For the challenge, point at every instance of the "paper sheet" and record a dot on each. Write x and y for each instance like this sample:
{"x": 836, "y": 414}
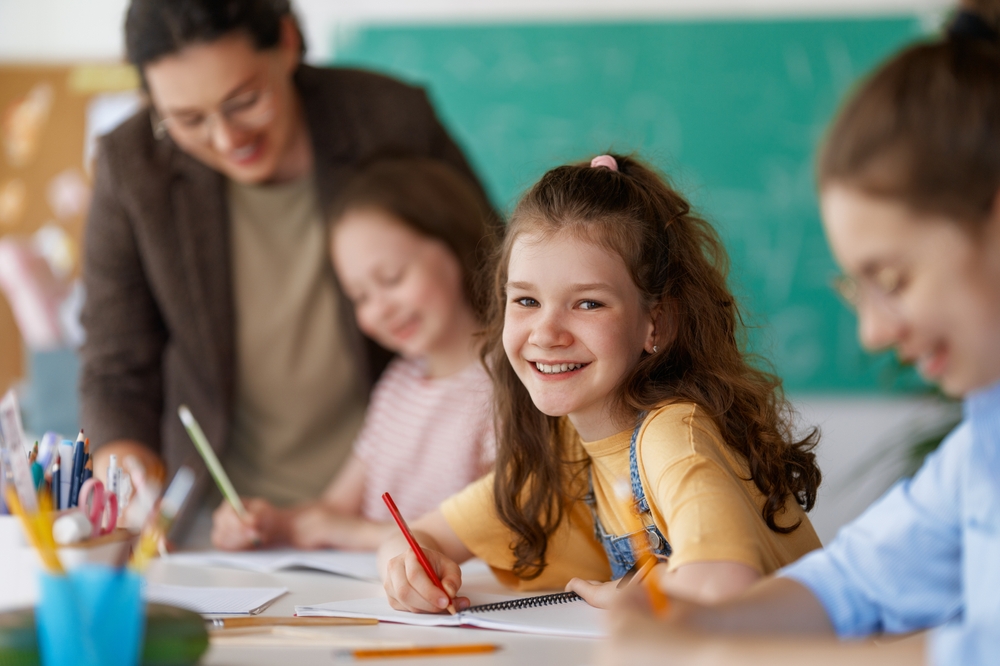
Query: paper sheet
{"x": 214, "y": 600}
{"x": 577, "y": 618}
{"x": 351, "y": 564}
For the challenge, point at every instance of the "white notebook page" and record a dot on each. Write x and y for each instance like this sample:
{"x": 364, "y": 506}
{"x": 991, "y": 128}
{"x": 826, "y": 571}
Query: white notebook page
{"x": 576, "y": 618}
{"x": 214, "y": 600}
{"x": 354, "y": 565}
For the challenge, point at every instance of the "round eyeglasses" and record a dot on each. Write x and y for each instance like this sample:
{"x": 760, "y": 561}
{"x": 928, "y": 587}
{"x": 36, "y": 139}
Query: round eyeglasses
{"x": 250, "y": 110}
{"x": 879, "y": 287}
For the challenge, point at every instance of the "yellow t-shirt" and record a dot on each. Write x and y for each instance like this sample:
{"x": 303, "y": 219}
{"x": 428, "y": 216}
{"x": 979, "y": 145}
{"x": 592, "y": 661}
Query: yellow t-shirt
{"x": 699, "y": 494}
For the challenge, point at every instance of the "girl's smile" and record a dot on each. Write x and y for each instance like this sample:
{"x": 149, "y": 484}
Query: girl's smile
{"x": 574, "y": 326}
{"x": 557, "y": 369}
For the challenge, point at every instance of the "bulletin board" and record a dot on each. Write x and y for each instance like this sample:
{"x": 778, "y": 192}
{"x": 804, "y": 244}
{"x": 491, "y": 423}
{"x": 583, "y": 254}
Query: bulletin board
{"x": 44, "y": 169}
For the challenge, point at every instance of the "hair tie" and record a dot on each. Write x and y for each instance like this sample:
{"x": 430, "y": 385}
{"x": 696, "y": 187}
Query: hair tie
{"x": 970, "y": 25}
{"x": 604, "y": 161}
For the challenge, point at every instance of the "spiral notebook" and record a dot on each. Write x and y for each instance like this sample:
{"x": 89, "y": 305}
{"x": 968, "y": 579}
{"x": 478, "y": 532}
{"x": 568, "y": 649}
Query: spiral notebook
{"x": 563, "y": 614}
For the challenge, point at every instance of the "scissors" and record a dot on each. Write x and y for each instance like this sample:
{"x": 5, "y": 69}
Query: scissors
{"x": 101, "y": 503}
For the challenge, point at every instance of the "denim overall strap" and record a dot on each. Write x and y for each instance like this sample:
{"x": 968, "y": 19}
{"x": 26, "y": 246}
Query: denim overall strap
{"x": 657, "y": 542}
{"x": 619, "y": 548}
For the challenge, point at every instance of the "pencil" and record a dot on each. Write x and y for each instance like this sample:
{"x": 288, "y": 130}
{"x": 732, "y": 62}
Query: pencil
{"x": 38, "y": 529}
{"x": 214, "y": 466}
{"x": 420, "y": 651}
{"x": 249, "y": 622}
{"x": 417, "y": 550}
{"x": 644, "y": 558}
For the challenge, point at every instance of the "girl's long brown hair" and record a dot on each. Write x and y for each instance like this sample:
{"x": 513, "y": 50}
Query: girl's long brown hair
{"x": 679, "y": 265}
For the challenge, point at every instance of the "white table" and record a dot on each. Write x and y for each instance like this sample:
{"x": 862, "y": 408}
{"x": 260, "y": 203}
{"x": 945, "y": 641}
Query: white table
{"x": 314, "y": 588}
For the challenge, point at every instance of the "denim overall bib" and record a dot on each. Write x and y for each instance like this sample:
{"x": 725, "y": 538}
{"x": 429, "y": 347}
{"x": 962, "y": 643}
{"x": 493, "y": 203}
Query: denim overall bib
{"x": 619, "y": 548}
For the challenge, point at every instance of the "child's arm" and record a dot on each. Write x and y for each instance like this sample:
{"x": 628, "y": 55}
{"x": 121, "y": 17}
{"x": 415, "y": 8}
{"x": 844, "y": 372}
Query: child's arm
{"x": 782, "y": 606}
{"x": 708, "y": 582}
{"x": 705, "y": 582}
{"x": 346, "y": 491}
{"x": 335, "y": 520}
{"x": 406, "y": 584}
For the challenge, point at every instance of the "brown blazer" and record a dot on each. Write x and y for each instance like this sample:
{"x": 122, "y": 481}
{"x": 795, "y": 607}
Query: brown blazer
{"x": 159, "y": 309}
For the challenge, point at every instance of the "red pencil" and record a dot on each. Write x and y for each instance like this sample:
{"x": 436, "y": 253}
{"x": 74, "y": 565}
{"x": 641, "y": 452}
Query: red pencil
{"x": 417, "y": 550}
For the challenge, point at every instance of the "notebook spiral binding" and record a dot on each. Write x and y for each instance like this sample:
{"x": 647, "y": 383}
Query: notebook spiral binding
{"x": 526, "y": 602}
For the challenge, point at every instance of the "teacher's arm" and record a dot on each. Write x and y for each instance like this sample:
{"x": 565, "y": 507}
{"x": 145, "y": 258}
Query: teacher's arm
{"x": 121, "y": 380}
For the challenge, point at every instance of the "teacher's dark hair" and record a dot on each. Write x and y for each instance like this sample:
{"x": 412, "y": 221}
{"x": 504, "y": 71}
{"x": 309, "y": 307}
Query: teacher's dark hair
{"x": 158, "y": 28}
{"x": 924, "y": 128}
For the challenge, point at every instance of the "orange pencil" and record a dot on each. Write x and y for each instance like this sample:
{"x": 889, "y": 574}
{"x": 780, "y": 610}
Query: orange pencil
{"x": 420, "y": 651}
{"x": 645, "y": 560}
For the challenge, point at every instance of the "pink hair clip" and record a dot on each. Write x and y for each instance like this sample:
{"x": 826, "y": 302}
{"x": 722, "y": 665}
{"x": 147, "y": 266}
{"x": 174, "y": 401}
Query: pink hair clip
{"x": 604, "y": 161}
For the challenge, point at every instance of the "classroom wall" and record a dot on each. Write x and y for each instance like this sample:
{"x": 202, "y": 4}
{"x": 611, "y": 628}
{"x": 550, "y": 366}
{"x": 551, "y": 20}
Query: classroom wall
{"x": 861, "y": 434}
{"x": 70, "y": 30}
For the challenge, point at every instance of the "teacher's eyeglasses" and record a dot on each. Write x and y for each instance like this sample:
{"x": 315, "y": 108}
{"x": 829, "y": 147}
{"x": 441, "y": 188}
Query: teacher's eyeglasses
{"x": 249, "y": 110}
{"x": 879, "y": 287}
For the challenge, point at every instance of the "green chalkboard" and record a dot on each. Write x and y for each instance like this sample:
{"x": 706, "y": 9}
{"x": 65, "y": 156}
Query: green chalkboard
{"x": 732, "y": 111}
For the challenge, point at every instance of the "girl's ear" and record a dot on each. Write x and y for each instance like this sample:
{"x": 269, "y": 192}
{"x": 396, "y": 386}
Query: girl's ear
{"x": 661, "y": 328}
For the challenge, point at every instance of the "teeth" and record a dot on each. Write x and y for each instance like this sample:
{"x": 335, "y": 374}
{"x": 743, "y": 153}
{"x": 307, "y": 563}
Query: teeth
{"x": 245, "y": 151}
{"x": 557, "y": 368}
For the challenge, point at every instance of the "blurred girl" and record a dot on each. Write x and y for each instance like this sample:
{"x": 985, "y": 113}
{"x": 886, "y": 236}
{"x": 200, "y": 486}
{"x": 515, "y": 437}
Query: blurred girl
{"x": 910, "y": 190}
{"x": 619, "y": 383}
{"x": 408, "y": 238}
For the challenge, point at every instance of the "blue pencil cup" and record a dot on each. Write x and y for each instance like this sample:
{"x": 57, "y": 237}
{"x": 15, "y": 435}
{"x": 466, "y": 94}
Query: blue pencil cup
{"x": 92, "y": 616}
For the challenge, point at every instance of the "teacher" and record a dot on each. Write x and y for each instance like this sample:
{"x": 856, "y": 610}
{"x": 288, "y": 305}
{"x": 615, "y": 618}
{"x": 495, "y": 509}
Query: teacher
{"x": 206, "y": 267}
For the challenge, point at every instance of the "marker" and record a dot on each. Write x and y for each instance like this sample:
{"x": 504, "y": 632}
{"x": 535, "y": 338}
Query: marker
{"x": 56, "y": 485}
{"x": 66, "y": 473}
{"x": 77, "y": 479}
{"x": 114, "y": 477}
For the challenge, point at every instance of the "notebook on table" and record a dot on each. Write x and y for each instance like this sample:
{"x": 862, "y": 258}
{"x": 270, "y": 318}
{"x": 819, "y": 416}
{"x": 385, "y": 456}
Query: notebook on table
{"x": 213, "y": 600}
{"x": 563, "y": 614}
{"x": 353, "y": 565}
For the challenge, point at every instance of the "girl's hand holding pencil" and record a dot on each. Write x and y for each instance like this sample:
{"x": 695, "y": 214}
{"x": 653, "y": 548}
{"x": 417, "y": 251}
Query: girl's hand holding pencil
{"x": 409, "y": 588}
{"x": 418, "y": 579}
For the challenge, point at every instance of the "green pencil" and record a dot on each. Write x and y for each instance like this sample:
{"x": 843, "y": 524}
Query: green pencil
{"x": 212, "y": 461}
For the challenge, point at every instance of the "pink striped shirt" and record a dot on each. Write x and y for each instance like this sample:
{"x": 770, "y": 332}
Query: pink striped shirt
{"x": 424, "y": 439}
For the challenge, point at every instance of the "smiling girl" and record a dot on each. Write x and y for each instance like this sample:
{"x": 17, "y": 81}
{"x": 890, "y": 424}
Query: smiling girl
{"x": 620, "y": 386}
{"x": 408, "y": 239}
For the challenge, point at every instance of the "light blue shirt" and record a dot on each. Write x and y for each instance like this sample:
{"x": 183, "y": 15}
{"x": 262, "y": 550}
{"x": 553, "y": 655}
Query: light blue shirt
{"x": 928, "y": 552}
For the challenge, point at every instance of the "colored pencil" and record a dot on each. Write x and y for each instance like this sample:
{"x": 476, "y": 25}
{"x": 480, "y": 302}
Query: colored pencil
{"x": 417, "y": 550}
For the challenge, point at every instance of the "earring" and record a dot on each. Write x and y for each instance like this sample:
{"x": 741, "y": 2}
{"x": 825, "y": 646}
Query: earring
{"x": 655, "y": 349}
